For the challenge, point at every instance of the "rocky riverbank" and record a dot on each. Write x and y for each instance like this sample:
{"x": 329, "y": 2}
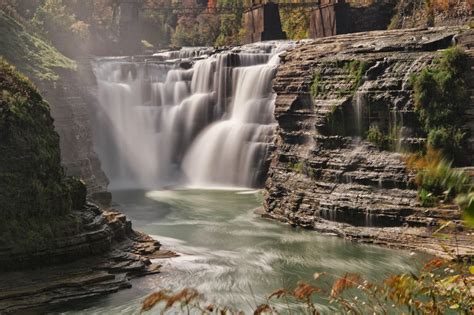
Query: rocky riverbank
{"x": 54, "y": 246}
{"x": 324, "y": 174}
{"x": 101, "y": 260}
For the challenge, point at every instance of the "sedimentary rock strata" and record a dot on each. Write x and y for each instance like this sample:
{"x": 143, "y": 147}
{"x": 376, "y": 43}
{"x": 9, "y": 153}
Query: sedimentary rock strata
{"x": 329, "y": 92}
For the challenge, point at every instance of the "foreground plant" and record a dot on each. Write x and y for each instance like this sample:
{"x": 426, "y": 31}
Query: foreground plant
{"x": 439, "y": 287}
{"x": 437, "y": 180}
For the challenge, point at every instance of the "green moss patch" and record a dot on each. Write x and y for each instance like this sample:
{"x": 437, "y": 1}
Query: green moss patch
{"x": 33, "y": 55}
{"x": 441, "y": 99}
{"x": 36, "y": 198}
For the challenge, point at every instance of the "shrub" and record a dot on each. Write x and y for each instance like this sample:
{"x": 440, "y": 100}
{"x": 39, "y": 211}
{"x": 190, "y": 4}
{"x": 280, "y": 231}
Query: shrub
{"x": 296, "y": 167}
{"x": 378, "y": 138}
{"x": 448, "y": 140}
{"x": 466, "y": 205}
{"x": 436, "y": 179}
{"x": 441, "y": 98}
{"x": 427, "y": 199}
{"x": 439, "y": 287}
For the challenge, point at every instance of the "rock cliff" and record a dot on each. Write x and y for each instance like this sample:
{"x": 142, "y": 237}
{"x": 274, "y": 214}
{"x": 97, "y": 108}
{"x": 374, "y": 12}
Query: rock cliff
{"x": 63, "y": 82}
{"x": 45, "y": 219}
{"x": 70, "y": 103}
{"x": 323, "y": 170}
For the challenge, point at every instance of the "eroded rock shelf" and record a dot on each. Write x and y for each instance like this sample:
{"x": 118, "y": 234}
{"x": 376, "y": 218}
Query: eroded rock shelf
{"x": 323, "y": 174}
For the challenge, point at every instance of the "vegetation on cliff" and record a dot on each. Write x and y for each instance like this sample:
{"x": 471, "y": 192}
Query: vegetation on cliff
{"x": 441, "y": 99}
{"x": 32, "y": 54}
{"x": 416, "y": 13}
{"x": 436, "y": 179}
{"x": 35, "y": 195}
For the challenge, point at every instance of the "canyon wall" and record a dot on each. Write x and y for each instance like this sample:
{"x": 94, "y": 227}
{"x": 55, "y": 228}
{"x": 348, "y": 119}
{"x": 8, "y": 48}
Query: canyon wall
{"x": 65, "y": 84}
{"x": 329, "y": 91}
{"x": 70, "y": 102}
{"x": 45, "y": 221}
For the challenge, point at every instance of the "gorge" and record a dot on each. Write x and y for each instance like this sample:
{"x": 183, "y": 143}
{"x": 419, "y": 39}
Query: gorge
{"x": 201, "y": 146}
{"x": 323, "y": 174}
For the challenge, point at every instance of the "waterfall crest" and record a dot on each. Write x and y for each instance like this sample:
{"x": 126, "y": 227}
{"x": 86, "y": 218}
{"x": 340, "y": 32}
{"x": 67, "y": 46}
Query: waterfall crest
{"x": 206, "y": 122}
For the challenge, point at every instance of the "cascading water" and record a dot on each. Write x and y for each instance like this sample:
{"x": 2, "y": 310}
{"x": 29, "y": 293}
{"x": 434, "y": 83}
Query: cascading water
{"x": 206, "y": 126}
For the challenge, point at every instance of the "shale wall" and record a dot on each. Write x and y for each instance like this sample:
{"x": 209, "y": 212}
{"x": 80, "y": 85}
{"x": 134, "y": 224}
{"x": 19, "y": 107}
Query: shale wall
{"x": 329, "y": 92}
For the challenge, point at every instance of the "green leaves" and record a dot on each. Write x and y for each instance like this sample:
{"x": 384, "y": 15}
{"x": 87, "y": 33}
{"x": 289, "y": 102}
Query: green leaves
{"x": 466, "y": 204}
{"x": 441, "y": 98}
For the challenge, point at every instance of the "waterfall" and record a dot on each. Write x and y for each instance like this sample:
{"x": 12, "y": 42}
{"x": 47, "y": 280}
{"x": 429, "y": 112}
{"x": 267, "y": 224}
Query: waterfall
{"x": 205, "y": 125}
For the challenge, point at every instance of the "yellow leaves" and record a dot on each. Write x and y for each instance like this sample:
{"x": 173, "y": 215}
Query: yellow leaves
{"x": 346, "y": 282}
{"x": 471, "y": 270}
{"x": 431, "y": 159}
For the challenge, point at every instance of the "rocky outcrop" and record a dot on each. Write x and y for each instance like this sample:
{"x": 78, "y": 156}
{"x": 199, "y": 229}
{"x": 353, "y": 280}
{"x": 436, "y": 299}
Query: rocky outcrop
{"x": 64, "y": 84}
{"x": 414, "y": 13}
{"x": 70, "y": 103}
{"x": 329, "y": 92}
{"x": 100, "y": 260}
{"x": 44, "y": 217}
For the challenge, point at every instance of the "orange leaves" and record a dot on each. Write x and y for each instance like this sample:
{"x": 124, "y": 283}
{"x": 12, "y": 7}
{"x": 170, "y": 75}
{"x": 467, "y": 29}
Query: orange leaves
{"x": 262, "y": 308}
{"x": 278, "y": 293}
{"x": 431, "y": 159}
{"x": 185, "y": 296}
{"x": 304, "y": 290}
{"x": 348, "y": 281}
{"x": 434, "y": 264}
{"x": 440, "y": 285}
{"x": 153, "y": 299}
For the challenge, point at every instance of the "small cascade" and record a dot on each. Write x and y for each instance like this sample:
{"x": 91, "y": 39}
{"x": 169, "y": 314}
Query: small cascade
{"x": 359, "y": 105}
{"x": 369, "y": 217}
{"x": 205, "y": 125}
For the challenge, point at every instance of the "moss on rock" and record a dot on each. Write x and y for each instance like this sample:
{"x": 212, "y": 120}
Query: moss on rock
{"x": 33, "y": 55}
{"x": 33, "y": 187}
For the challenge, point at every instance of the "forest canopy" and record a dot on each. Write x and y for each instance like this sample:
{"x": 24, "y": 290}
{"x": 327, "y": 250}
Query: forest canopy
{"x": 94, "y": 23}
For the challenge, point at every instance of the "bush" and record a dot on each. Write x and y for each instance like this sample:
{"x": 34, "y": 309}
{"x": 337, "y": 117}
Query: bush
{"x": 378, "y": 138}
{"x": 448, "y": 140}
{"x": 316, "y": 86}
{"x": 466, "y": 205}
{"x": 200, "y": 31}
{"x": 439, "y": 287}
{"x": 441, "y": 99}
{"x": 436, "y": 179}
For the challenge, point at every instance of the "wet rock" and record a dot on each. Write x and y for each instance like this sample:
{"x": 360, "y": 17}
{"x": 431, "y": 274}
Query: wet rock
{"x": 322, "y": 169}
{"x": 99, "y": 261}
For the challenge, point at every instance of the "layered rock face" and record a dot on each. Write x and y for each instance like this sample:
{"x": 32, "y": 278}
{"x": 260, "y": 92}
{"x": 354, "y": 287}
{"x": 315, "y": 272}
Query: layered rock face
{"x": 44, "y": 217}
{"x": 412, "y": 13}
{"x": 329, "y": 92}
{"x": 64, "y": 83}
{"x": 70, "y": 102}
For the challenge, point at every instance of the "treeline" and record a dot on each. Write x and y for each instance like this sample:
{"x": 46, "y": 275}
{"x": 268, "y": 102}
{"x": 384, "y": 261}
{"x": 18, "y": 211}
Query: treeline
{"x": 91, "y": 26}
{"x": 73, "y": 26}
